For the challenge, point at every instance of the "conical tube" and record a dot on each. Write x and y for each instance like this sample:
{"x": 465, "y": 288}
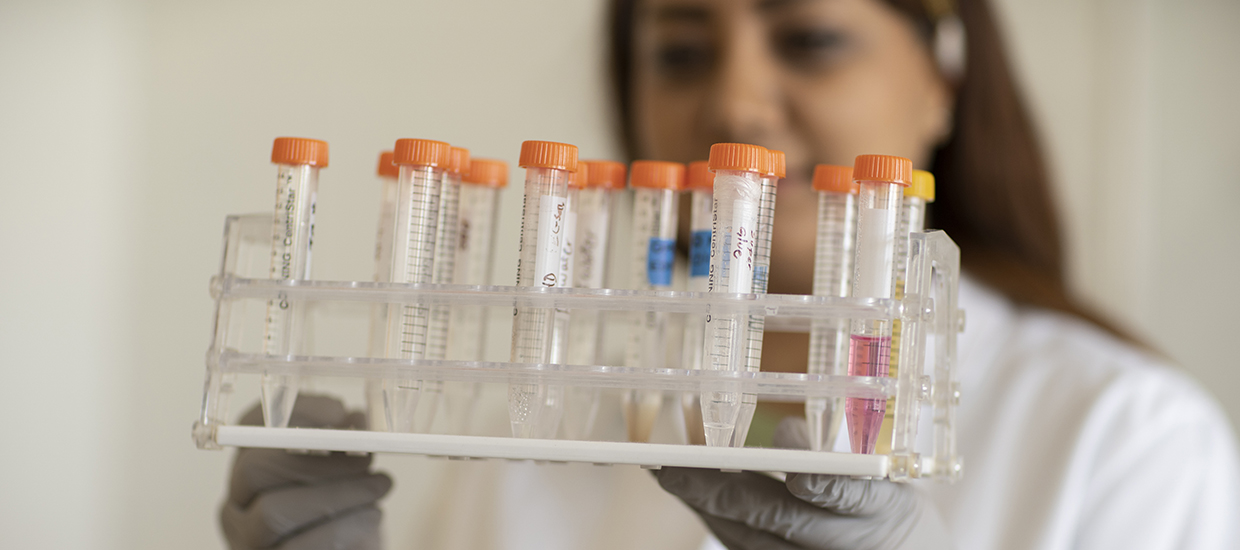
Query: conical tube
{"x": 881, "y": 179}
{"x": 446, "y": 234}
{"x": 467, "y": 326}
{"x": 413, "y": 261}
{"x": 761, "y": 271}
{"x": 543, "y": 232}
{"x": 595, "y": 201}
{"x": 552, "y": 411}
{"x": 912, "y": 220}
{"x": 700, "y": 182}
{"x": 298, "y": 161}
{"x": 833, "y": 273}
{"x": 656, "y": 192}
{"x": 737, "y": 197}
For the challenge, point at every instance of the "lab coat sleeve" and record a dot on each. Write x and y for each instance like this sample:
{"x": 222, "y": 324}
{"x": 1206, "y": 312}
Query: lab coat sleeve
{"x": 1166, "y": 474}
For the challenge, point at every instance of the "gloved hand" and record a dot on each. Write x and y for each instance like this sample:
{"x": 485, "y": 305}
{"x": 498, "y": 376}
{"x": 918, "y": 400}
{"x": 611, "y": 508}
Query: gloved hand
{"x": 287, "y": 501}
{"x": 750, "y": 511}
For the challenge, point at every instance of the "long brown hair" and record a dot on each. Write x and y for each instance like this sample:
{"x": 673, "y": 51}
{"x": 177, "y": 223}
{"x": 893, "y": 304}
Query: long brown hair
{"x": 993, "y": 191}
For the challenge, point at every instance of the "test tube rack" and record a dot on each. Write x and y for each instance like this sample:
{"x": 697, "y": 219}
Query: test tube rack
{"x": 925, "y": 383}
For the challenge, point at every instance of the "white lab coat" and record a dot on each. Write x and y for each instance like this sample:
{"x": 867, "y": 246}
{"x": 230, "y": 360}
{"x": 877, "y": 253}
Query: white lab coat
{"x": 1075, "y": 439}
{"x": 1071, "y": 438}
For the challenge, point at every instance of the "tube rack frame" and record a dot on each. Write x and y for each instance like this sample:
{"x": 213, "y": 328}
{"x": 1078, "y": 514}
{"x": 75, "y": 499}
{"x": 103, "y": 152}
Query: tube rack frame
{"x": 928, "y": 313}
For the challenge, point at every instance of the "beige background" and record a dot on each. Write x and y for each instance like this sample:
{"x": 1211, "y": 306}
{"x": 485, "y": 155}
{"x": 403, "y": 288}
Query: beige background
{"x": 128, "y": 130}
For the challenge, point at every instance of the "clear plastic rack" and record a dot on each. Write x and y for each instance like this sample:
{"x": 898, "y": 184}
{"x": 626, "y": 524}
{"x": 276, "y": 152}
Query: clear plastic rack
{"x": 925, "y": 384}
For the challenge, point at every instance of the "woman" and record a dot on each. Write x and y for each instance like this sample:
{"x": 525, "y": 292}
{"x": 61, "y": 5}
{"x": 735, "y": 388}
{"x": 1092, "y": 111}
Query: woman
{"x": 1074, "y": 436}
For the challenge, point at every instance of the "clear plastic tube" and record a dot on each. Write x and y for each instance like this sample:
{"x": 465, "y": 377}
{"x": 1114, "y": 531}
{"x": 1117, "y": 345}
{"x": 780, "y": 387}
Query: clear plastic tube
{"x": 446, "y": 235}
{"x": 912, "y": 220}
{"x": 467, "y": 326}
{"x": 590, "y": 259}
{"x": 292, "y": 237}
{"x": 833, "y": 272}
{"x": 553, "y": 396}
{"x": 656, "y": 196}
{"x": 695, "y": 324}
{"x": 761, "y": 272}
{"x": 544, "y": 221}
{"x": 413, "y": 261}
{"x": 737, "y": 197}
{"x": 878, "y": 212}
{"x": 388, "y": 175}
{"x": 559, "y": 336}
{"x": 479, "y": 208}
{"x": 594, "y": 214}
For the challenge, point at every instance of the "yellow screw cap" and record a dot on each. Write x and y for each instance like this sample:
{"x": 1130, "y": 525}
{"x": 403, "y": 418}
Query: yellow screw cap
{"x": 922, "y": 187}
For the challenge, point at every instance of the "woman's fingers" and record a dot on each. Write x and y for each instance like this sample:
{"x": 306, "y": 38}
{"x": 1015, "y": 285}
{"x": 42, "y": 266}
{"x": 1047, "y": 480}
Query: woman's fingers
{"x": 850, "y": 497}
{"x": 258, "y": 470}
{"x": 745, "y": 497}
{"x": 826, "y": 512}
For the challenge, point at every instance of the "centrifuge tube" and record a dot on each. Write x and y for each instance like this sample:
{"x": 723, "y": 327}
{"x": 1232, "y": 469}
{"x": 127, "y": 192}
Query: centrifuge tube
{"x": 762, "y": 264}
{"x": 552, "y": 408}
{"x": 595, "y": 200}
{"x": 298, "y": 161}
{"x": 656, "y": 190}
{"x": 833, "y": 272}
{"x": 881, "y": 179}
{"x": 444, "y": 271}
{"x": 476, "y": 226}
{"x": 700, "y": 183}
{"x": 912, "y": 220}
{"x": 422, "y": 163}
{"x": 604, "y": 179}
{"x": 388, "y": 174}
{"x": 544, "y": 221}
{"x": 737, "y": 197}
{"x": 559, "y": 336}
{"x": 479, "y": 211}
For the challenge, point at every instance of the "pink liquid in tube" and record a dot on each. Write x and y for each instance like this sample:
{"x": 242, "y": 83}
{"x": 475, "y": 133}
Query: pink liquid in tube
{"x": 868, "y": 356}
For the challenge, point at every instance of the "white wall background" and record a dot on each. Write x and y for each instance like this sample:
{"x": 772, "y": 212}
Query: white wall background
{"x": 129, "y": 129}
{"x": 1136, "y": 100}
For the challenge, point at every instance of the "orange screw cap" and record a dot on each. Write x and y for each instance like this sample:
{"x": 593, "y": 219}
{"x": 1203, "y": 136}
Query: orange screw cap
{"x": 458, "y": 160}
{"x": 489, "y": 172}
{"x": 835, "y": 179}
{"x": 581, "y": 178}
{"x": 777, "y": 167}
{"x": 738, "y": 156}
{"x": 886, "y": 168}
{"x": 607, "y": 174}
{"x": 291, "y": 150}
{"x": 548, "y": 154}
{"x": 422, "y": 152}
{"x": 657, "y": 174}
{"x": 700, "y": 177}
{"x": 387, "y": 168}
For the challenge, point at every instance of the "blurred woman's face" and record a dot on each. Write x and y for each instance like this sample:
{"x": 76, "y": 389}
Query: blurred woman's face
{"x": 821, "y": 80}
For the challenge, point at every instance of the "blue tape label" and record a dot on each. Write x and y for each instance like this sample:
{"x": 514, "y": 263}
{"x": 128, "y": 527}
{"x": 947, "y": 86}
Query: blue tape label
{"x": 659, "y": 258}
{"x": 699, "y": 254}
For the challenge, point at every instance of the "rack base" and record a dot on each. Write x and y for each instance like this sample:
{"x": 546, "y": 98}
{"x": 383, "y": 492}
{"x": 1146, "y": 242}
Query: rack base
{"x": 646, "y": 455}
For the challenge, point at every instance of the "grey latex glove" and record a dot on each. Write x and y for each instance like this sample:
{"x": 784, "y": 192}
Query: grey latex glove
{"x": 750, "y": 511}
{"x": 286, "y": 501}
